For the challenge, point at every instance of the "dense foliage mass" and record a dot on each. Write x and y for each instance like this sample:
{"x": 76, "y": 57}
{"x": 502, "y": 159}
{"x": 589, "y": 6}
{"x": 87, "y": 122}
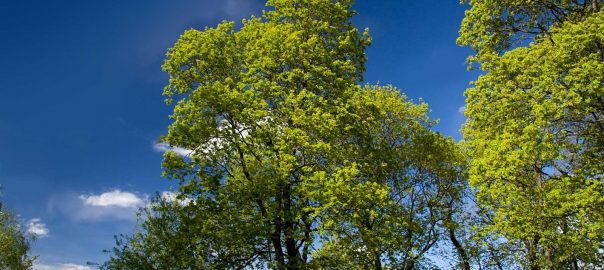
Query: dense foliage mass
{"x": 295, "y": 164}
{"x": 535, "y": 129}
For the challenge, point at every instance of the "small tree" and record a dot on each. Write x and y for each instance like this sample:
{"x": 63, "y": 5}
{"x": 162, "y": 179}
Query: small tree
{"x": 14, "y": 244}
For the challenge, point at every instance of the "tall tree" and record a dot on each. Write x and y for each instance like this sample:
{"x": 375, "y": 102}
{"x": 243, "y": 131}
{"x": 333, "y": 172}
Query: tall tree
{"x": 257, "y": 106}
{"x": 535, "y": 129}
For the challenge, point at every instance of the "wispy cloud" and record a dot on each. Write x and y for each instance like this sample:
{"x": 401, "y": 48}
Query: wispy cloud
{"x": 115, "y": 198}
{"x": 239, "y": 8}
{"x": 461, "y": 109}
{"x": 114, "y": 204}
{"x": 212, "y": 144}
{"x": 63, "y": 266}
{"x": 37, "y": 228}
{"x": 164, "y": 147}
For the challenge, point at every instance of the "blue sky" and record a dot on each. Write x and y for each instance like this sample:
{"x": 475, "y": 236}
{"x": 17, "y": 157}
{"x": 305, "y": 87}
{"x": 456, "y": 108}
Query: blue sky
{"x": 81, "y": 105}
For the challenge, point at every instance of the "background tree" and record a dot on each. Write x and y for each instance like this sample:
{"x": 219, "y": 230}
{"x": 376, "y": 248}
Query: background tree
{"x": 14, "y": 244}
{"x": 535, "y": 130}
{"x": 173, "y": 235}
{"x": 392, "y": 207}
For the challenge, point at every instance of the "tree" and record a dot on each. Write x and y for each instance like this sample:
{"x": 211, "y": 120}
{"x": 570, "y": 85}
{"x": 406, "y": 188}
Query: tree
{"x": 257, "y": 106}
{"x": 294, "y": 164}
{"x": 14, "y": 244}
{"x": 385, "y": 205}
{"x": 535, "y": 131}
{"x": 167, "y": 237}
{"x": 393, "y": 205}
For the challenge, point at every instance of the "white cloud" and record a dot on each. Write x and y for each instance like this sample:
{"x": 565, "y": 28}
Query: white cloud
{"x": 63, "y": 266}
{"x": 37, "y": 228}
{"x": 461, "y": 109}
{"x": 170, "y": 196}
{"x": 115, "y": 198}
{"x": 213, "y": 144}
{"x": 112, "y": 205}
{"x": 164, "y": 147}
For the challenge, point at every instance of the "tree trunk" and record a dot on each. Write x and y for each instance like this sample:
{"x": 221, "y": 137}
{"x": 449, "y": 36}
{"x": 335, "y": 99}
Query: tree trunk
{"x": 549, "y": 260}
{"x": 465, "y": 261}
{"x": 293, "y": 256}
{"x": 276, "y": 239}
{"x": 531, "y": 255}
{"x": 410, "y": 265}
{"x": 377, "y": 263}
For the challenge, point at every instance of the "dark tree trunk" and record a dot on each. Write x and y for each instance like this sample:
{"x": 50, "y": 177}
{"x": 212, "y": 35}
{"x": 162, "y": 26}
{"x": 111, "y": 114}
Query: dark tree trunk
{"x": 377, "y": 263}
{"x": 465, "y": 261}
{"x": 293, "y": 256}
{"x": 276, "y": 240}
{"x": 531, "y": 247}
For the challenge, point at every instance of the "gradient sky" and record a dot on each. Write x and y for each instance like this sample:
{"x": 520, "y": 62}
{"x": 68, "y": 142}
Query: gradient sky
{"x": 81, "y": 105}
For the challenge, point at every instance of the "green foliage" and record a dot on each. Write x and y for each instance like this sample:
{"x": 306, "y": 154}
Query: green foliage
{"x": 535, "y": 128}
{"x": 294, "y": 164}
{"x": 492, "y": 27}
{"x": 174, "y": 235}
{"x": 258, "y": 106}
{"x": 389, "y": 206}
{"x": 14, "y": 244}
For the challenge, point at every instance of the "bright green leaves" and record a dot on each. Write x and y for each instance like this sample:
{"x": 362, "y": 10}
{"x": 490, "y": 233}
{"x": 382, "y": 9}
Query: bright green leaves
{"x": 290, "y": 160}
{"x": 14, "y": 244}
{"x": 534, "y": 127}
{"x": 258, "y": 108}
{"x": 491, "y": 27}
{"x": 387, "y": 202}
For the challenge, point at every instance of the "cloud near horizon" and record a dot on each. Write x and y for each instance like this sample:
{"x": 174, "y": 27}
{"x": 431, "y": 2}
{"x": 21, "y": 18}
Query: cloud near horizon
{"x": 62, "y": 266}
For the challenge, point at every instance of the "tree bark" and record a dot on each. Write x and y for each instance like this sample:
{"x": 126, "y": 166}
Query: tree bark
{"x": 465, "y": 261}
{"x": 377, "y": 263}
{"x": 531, "y": 247}
{"x": 293, "y": 256}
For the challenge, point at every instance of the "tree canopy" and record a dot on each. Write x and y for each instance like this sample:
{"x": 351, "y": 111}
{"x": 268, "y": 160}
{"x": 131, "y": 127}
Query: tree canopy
{"x": 295, "y": 163}
{"x": 535, "y": 129}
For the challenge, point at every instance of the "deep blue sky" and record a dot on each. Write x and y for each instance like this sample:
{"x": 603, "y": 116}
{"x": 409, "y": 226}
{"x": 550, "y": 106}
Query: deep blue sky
{"x": 81, "y": 104}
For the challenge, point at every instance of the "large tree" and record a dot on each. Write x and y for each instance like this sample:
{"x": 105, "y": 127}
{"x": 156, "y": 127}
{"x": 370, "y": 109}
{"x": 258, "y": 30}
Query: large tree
{"x": 258, "y": 107}
{"x": 535, "y": 129}
{"x": 294, "y": 164}
{"x": 385, "y": 201}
